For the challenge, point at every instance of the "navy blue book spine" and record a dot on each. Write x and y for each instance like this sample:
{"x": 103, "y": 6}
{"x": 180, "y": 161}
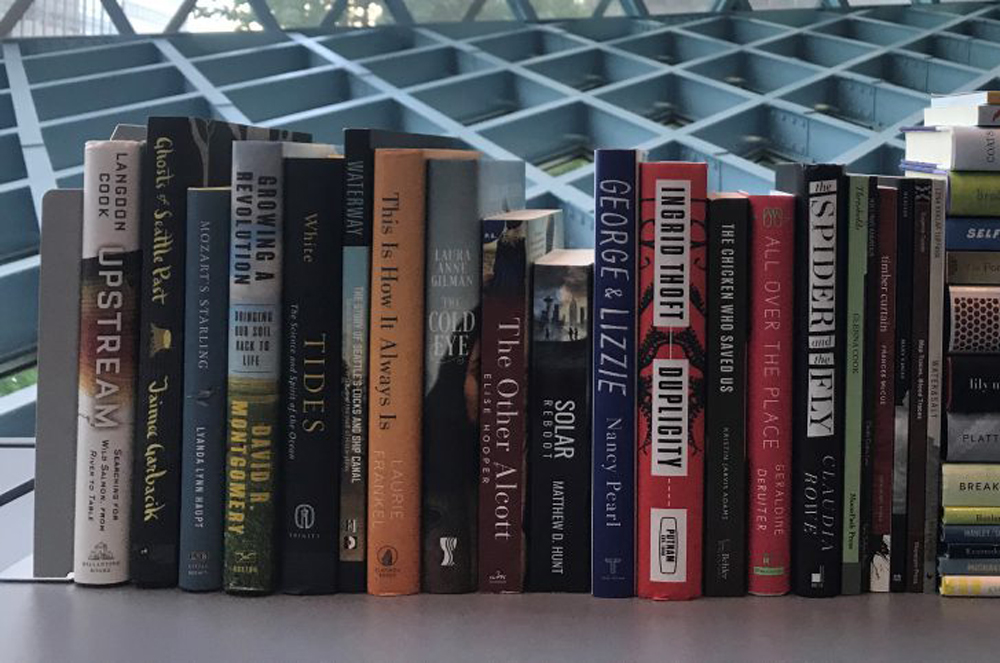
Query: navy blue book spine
{"x": 971, "y": 534}
{"x": 972, "y": 550}
{"x": 972, "y": 234}
{"x": 203, "y": 445}
{"x": 614, "y": 374}
{"x": 968, "y": 567}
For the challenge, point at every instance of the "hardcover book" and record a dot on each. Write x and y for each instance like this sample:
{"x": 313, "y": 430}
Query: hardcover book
{"x": 953, "y": 147}
{"x": 981, "y": 550}
{"x": 971, "y": 320}
{"x": 818, "y": 412}
{"x": 973, "y": 384}
{"x": 311, "y": 371}
{"x": 359, "y": 206}
{"x": 109, "y": 276}
{"x": 974, "y": 437}
{"x": 512, "y": 242}
{"x": 970, "y": 484}
{"x": 884, "y": 375}
{"x": 395, "y": 393}
{"x": 970, "y": 534}
{"x": 974, "y": 267}
{"x": 459, "y": 195}
{"x": 203, "y": 447}
{"x": 968, "y": 567}
{"x": 976, "y": 98}
{"x": 614, "y": 372}
{"x": 982, "y": 115}
{"x": 935, "y": 385}
{"x": 254, "y": 359}
{"x": 905, "y": 223}
{"x": 952, "y": 585}
{"x": 870, "y": 384}
{"x": 559, "y": 444}
{"x": 919, "y": 351}
{"x": 972, "y": 234}
{"x": 862, "y": 194}
{"x": 672, "y": 362}
{"x": 970, "y": 515}
{"x": 769, "y": 393}
{"x": 726, "y": 393}
{"x": 182, "y": 152}
{"x": 970, "y": 192}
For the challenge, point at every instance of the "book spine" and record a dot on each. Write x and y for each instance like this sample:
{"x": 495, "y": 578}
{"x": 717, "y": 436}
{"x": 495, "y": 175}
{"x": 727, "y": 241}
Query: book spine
{"x": 396, "y": 370}
{"x": 905, "y": 222}
{"x": 725, "y": 410}
{"x": 252, "y": 401}
{"x": 917, "y": 454}
{"x": 973, "y": 384}
{"x": 972, "y": 314}
{"x": 453, "y": 273}
{"x": 970, "y": 534}
{"x": 173, "y": 161}
{"x": 972, "y": 234}
{"x": 359, "y": 172}
{"x": 966, "y": 484}
{"x": 968, "y": 567}
{"x": 870, "y": 385}
{"x": 970, "y": 585}
{"x": 614, "y": 373}
{"x": 974, "y": 267}
{"x": 109, "y": 275}
{"x": 883, "y": 374}
{"x": 818, "y": 482}
{"x": 935, "y": 381}
{"x": 857, "y": 266}
{"x": 769, "y": 393}
{"x": 671, "y": 436}
{"x": 559, "y": 449}
{"x": 973, "y": 194}
{"x": 981, "y": 550}
{"x": 974, "y": 148}
{"x": 503, "y": 401}
{"x": 974, "y": 437}
{"x": 310, "y": 409}
{"x": 203, "y": 446}
{"x": 970, "y": 515}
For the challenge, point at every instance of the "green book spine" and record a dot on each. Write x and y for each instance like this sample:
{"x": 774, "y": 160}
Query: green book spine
{"x": 857, "y": 267}
{"x": 973, "y": 193}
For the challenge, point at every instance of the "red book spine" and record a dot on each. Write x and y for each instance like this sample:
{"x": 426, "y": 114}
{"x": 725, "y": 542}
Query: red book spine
{"x": 671, "y": 417}
{"x": 769, "y": 393}
{"x": 885, "y": 393}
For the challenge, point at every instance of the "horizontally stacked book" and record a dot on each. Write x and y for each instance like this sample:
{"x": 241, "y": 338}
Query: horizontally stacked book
{"x": 958, "y": 144}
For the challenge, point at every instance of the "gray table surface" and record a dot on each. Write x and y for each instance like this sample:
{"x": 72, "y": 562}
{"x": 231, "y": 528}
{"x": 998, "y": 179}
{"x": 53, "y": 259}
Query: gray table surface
{"x": 60, "y": 622}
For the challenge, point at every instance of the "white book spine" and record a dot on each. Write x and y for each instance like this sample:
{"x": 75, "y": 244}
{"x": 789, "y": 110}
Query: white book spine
{"x": 974, "y": 148}
{"x": 935, "y": 382}
{"x": 107, "y": 360}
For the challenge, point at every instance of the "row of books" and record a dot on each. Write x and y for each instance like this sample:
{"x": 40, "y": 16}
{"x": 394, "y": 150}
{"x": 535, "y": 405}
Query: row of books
{"x": 960, "y": 149}
{"x": 385, "y": 383}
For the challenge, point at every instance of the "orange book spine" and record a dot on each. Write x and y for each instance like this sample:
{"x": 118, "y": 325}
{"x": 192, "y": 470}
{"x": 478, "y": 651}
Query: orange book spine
{"x": 396, "y": 370}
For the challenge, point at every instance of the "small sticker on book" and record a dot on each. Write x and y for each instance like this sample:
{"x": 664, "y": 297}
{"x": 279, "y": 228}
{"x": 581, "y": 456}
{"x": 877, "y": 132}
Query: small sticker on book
{"x": 668, "y": 541}
{"x": 671, "y": 261}
{"x": 669, "y": 457}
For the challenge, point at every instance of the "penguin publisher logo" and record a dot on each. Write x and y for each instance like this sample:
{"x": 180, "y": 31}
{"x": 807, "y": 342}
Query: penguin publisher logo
{"x": 448, "y": 545}
{"x": 388, "y": 556}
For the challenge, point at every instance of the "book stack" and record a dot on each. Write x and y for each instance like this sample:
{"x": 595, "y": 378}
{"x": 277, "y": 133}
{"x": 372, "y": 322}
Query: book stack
{"x": 377, "y": 372}
{"x": 958, "y": 145}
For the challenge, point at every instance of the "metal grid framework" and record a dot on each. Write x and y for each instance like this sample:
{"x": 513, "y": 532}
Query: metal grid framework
{"x": 739, "y": 90}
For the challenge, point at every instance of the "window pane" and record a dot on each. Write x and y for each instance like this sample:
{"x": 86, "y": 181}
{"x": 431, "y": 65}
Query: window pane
{"x": 150, "y": 16}
{"x": 299, "y": 13}
{"x": 221, "y": 16}
{"x": 495, "y": 10}
{"x": 55, "y": 18}
{"x": 438, "y": 11}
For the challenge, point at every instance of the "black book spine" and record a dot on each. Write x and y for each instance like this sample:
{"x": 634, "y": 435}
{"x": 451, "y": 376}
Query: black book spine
{"x": 311, "y": 375}
{"x": 870, "y": 380}
{"x": 820, "y": 352}
{"x": 973, "y": 384}
{"x": 917, "y": 423}
{"x": 725, "y": 414}
{"x": 559, "y": 450}
{"x": 181, "y": 152}
{"x": 905, "y": 220}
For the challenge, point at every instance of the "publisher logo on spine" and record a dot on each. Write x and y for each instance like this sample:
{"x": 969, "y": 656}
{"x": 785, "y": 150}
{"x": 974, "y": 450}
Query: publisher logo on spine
{"x": 668, "y": 541}
{"x": 305, "y": 516}
{"x": 671, "y": 261}
{"x": 670, "y": 418}
{"x": 448, "y": 545}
